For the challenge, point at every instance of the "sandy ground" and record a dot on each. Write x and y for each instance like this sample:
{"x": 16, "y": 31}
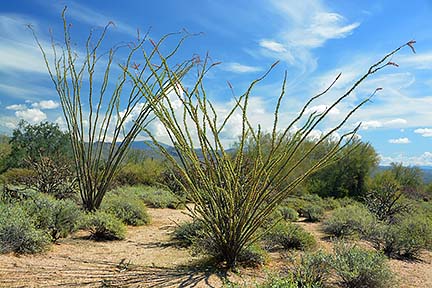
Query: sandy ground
{"x": 148, "y": 258}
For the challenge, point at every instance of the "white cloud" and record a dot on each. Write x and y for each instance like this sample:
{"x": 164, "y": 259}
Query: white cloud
{"x": 425, "y": 132}
{"x": 16, "y": 107}
{"x": 403, "y": 140}
{"x": 371, "y": 124}
{"x": 239, "y": 68}
{"x": 46, "y": 104}
{"x": 322, "y": 109}
{"x": 272, "y": 45}
{"x": 32, "y": 115}
{"x": 393, "y": 123}
{"x": 424, "y": 159}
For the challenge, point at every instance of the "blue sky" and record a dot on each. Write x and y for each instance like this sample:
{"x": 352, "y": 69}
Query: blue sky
{"x": 313, "y": 39}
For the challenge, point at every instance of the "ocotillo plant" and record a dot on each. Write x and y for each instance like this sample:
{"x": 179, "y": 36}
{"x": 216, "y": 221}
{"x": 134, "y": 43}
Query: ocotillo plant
{"x": 234, "y": 194}
{"x": 98, "y": 111}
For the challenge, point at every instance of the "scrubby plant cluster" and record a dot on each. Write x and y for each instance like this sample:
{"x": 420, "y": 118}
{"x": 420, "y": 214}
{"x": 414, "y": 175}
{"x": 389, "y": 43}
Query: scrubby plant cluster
{"x": 349, "y": 266}
{"x": 29, "y": 225}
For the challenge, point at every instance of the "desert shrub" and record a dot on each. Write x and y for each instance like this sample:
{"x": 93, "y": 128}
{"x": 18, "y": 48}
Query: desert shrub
{"x": 357, "y": 268}
{"x": 346, "y": 201}
{"x": 127, "y": 207}
{"x": 330, "y": 203}
{"x": 18, "y": 176}
{"x": 295, "y": 203}
{"x": 310, "y": 271}
{"x": 406, "y": 238}
{"x": 57, "y": 217}
{"x": 288, "y": 214}
{"x": 46, "y": 175}
{"x": 159, "y": 198}
{"x": 288, "y": 236}
{"x": 278, "y": 282}
{"x": 148, "y": 172}
{"x": 18, "y": 232}
{"x": 54, "y": 177}
{"x": 348, "y": 221}
{"x": 187, "y": 232}
{"x": 253, "y": 256}
{"x": 15, "y": 194}
{"x": 169, "y": 179}
{"x": 385, "y": 198}
{"x": 104, "y": 226}
{"x": 312, "y": 212}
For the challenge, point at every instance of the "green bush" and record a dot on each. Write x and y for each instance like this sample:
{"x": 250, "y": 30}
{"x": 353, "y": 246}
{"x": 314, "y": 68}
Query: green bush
{"x": 406, "y": 238}
{"x": 288, "y": 214}
{"x": 357, "y": 268}
{"x": 57, "y": 217}
{"x": 18, "y": 176}
{"x": 252, "y": 256}
{"x": 126, "y": 207}
{"x": 346, "y": 201}
{"x": 348, "y": 221}
{"x": 148, "y": 172}
{"x": 169, "y": 179}
{"x": 104, "y": 226}
{"x": 187, "y": 232}
{"x": 385, "y": 198}
{"x": 159, "y": 198}
{"x": 312, "y": 212}
{"x": 311, "y": 271}
{"x": 330, "y": 203}
{"x": 18, "y": 232}
{"x": 288, "y": 236}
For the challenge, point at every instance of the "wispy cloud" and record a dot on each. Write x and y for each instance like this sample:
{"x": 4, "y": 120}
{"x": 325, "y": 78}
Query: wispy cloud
{"x": 239, "y": 68}
{"x": 403, "y": 140}
{"x": 87, "y": 15}
{"x": 421, "y": 61}
{"x": 309, "y": 24}
{"x": 16, "y": 107}
{"x": 272, "y": 45}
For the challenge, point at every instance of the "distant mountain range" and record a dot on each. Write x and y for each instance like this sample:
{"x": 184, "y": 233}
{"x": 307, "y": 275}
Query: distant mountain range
{"x": 427, "y": 172}
{"x": 148, "y": 147}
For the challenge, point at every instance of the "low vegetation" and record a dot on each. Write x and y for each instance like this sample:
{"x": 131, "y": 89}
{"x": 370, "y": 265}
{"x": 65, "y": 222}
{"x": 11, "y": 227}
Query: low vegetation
{"x": 103, "y": 226}
{"x": 349, "y": 221}
{"x": 288, "y": 236}
{"x": 127, "y": 207}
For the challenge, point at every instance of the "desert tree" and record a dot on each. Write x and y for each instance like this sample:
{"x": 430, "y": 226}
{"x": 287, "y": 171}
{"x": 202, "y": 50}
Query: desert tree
{"x": 233, "y": 194}
{"x": 103, "y": 111}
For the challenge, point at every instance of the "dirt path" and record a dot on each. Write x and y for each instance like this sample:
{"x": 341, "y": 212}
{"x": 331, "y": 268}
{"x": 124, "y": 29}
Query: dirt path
{"x": 145, "y": 259}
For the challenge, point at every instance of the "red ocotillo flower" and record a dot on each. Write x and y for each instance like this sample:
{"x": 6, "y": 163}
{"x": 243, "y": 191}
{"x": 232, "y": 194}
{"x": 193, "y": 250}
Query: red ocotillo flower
{"x": 393, "y": 64}
{"x": 411, "y": 45}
